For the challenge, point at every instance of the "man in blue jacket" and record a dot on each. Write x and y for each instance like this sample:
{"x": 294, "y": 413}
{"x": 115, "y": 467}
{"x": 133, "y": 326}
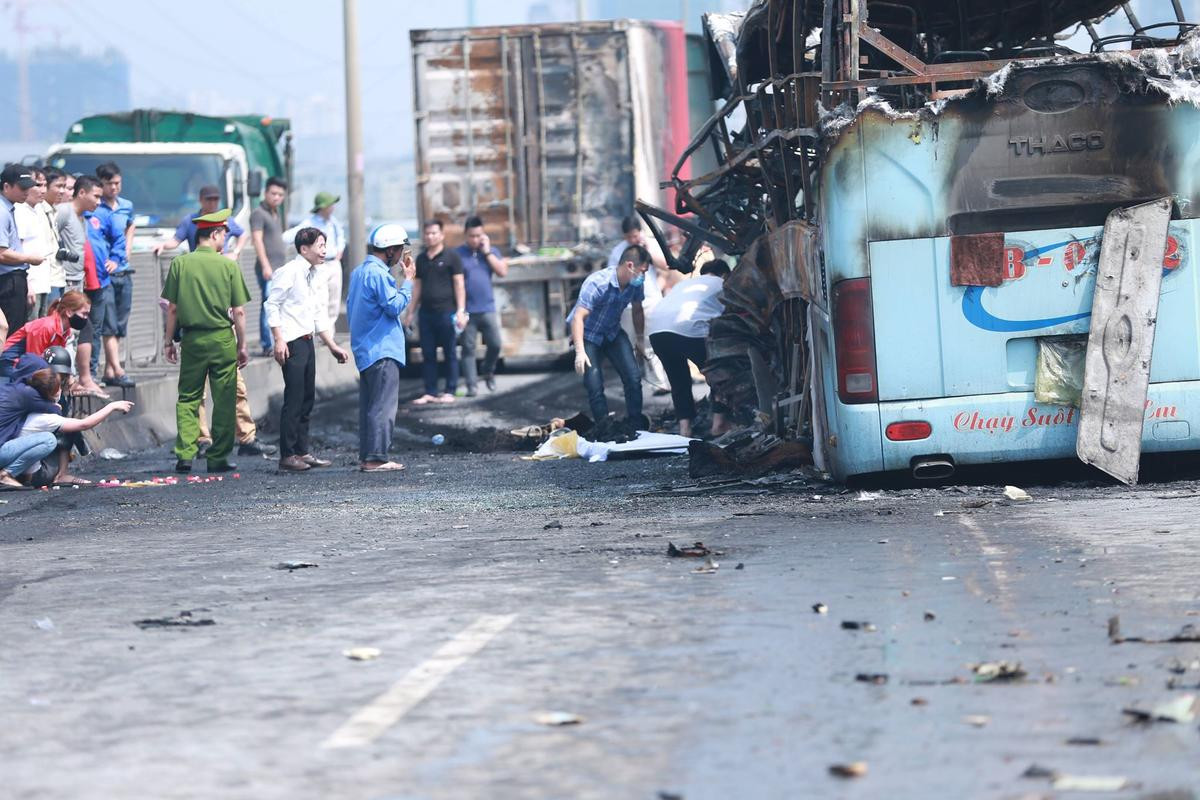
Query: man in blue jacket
{"x": 18, "y": 399}
{"x": 374, "y": 306}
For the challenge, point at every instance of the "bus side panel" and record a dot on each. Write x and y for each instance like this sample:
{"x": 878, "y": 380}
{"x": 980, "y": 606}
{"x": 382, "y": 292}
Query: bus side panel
{"x": 937, "y": 340}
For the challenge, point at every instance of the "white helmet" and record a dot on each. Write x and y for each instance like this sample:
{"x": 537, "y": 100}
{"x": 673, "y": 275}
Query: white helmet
{"x": 389, "y": 234}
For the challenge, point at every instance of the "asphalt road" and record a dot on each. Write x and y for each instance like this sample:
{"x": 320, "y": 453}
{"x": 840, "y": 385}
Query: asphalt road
{"x": 717, "y": 684}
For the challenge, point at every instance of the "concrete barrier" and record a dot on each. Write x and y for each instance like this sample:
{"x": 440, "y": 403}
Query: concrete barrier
{"x": 152, "y": 422}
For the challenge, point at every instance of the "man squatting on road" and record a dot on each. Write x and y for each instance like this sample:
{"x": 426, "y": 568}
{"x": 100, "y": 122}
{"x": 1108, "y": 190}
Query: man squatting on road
{"x": 297, "y": 307}
{"x": 374, "y": 306}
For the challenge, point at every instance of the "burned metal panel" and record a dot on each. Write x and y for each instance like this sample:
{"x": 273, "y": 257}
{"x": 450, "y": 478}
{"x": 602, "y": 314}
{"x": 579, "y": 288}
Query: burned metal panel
{"x": 1121, "y": 339}
{"x": 977, "y": 260}
{"x": 530, "y": 126}
{"x": 986, "y": 164}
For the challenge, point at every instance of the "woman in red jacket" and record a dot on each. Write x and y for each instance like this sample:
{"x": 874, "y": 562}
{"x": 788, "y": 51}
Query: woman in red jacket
{"x": 67, "y": 313}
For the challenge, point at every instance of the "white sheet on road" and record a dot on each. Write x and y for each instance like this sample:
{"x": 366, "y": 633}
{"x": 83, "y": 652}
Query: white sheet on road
{"x": 647, "y": 442}
{"x": 565, "y": 443}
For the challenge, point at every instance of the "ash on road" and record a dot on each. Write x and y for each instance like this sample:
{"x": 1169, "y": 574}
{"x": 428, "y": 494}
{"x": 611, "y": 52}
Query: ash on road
{"x": 487, "y": 624}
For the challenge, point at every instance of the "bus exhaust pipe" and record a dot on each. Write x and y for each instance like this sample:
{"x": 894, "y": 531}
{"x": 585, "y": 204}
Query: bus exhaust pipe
{"x": 937, "y": 468}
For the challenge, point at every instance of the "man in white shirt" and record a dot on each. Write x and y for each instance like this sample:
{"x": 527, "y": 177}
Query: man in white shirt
{"x": 37, "y": 238}
{"x": 678, "y": 328}
{"x": 297, "y": 308}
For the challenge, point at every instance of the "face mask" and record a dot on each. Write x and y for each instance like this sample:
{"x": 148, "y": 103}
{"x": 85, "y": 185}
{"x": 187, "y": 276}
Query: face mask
{"x": 77, "y": 322}
{"x": 638, "y": 281}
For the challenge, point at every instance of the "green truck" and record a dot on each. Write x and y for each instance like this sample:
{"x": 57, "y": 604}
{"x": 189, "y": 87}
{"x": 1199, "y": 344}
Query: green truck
{"x": 166, "y": 156}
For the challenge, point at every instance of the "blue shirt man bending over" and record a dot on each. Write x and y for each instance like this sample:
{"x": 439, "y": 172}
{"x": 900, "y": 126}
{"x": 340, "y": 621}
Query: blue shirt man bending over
{"x": 374, "y": 306}
{"x": 596, "y": 330}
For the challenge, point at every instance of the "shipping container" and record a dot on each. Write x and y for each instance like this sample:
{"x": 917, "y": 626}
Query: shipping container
{"x": 549, "y": 133}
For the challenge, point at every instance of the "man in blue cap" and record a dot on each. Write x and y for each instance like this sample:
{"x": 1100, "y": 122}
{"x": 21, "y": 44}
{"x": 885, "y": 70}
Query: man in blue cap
{"x": 25, "y": 394}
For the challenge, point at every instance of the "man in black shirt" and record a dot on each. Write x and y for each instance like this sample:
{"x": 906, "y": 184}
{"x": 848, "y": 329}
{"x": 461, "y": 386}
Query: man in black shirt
{"x": 440, "y": 300}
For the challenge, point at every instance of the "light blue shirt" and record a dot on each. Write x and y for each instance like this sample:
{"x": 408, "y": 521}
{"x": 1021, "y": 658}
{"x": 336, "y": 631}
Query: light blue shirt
{"x": 9, "y": 238}
{"x": 373, "y": 306}
{"x": 605, "y": 300}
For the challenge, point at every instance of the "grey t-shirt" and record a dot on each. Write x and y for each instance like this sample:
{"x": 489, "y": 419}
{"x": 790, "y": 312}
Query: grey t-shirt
{"x": 71, "y": 236}
{"x": 263, "y": 220}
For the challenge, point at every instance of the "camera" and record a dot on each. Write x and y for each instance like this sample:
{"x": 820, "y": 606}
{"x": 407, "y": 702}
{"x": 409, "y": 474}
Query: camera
{"x": 64, "y": 254}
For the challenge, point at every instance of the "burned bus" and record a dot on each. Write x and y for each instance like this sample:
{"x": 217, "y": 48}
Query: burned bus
{"x": 965, "y": 231}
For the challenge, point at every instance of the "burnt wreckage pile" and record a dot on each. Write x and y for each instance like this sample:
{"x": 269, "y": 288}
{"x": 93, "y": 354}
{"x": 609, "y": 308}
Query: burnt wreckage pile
{"x": 798, "y": 76}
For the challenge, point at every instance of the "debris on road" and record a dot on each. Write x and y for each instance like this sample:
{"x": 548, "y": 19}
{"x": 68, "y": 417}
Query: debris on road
{"x": 998, "y": 671}
{"x": 1188, "y": 634}
{"x": 111, "y": 454}
{"x": 553, "y": 525}
{"x": 854, "y": 769}
{"x": 1036, "y": 771}
{"x": 708, "y": 567}
{"x": 183, "y": 620}
{"x": 853, "y": 625}
{"x": 930, "y": 616}
{"x": 977, "y": 720}
{"x": 877, "y": 678}
{"x": 44, "y": 624}
{"x": 918, "y": 701}
{"x": 697, "y": 550}
{"x": 1089, "y": 783}
{"x": 740, "y": 565}
{"x": 362, "y": 653}
{"x": 1181, "y": 709}
{"x": 437, "y": 440}
{"x": 557, "y": 718}
{"x": 1085, "y": 741}
{"x": 820, "y": 608}
{"x": 751, "y": 452}
{"x": 292, "y": 566}
{"x": 1016, "y": 494}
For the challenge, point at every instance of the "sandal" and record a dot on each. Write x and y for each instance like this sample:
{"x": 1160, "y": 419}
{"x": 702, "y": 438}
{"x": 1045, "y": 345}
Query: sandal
{"x": 72, "y": 480}
{"x": 424, "y": 400}
{"x": 387, "y": 466}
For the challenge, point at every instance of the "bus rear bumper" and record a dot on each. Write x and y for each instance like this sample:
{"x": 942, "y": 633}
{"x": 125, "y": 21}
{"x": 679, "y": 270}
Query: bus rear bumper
{"x": 996, "y": 428}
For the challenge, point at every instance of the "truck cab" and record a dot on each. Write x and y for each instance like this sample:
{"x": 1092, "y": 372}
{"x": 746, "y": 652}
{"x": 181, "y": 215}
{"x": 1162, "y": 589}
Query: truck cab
{"x": 167, "y": 156}
{"x": 163, "y": 179}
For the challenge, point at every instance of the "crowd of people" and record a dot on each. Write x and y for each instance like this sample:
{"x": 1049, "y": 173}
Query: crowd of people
{"x": 66, "y": 295}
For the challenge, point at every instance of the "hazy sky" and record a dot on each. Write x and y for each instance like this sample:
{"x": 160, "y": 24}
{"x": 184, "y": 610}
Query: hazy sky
{"x": 280, "y": 57}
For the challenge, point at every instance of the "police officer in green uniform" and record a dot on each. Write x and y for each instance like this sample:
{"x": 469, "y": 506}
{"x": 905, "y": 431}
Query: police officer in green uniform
{"x": 205, "y": 291}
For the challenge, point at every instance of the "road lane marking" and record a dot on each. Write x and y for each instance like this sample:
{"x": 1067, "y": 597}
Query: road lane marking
{"x": 373, "y": 719}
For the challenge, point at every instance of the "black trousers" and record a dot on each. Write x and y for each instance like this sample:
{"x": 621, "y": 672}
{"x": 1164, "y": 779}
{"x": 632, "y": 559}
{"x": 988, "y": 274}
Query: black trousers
{"x": 675, "y": 351}
{"x": 14, "y": 291}
{"x": 299, "y": 394}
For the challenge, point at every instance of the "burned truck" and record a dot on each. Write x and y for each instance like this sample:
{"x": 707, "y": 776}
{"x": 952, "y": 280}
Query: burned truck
{"x": 965, "y": 230}
{"x": 549, "y": 133}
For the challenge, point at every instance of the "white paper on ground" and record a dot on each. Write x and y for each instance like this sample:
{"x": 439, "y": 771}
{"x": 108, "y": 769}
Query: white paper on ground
{"x": 646, "y": 442}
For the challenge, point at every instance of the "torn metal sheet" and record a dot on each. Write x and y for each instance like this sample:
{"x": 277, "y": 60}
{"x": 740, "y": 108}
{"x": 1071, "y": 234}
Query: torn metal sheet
{"x": 977, "y": 260}
{"x": 1124, "y": 314}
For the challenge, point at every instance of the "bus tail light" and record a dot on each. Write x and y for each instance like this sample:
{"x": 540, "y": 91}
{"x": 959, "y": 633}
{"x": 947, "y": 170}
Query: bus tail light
{"x": 854, "y": 341}
{"x": 910, "y": 431}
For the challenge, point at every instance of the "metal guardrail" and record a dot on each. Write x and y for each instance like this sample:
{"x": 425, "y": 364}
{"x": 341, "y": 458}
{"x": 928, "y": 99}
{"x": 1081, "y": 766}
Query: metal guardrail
{"x": 144, "y": 340}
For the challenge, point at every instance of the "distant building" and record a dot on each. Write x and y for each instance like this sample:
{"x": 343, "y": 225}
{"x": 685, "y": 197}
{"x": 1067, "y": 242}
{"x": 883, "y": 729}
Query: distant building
{"x": 63, "y": 86}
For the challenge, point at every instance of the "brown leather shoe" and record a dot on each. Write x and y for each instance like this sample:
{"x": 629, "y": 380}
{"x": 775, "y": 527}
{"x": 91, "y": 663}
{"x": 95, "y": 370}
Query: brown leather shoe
{"x": 293, "y": 464}
{"x": 313, "y": 461}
